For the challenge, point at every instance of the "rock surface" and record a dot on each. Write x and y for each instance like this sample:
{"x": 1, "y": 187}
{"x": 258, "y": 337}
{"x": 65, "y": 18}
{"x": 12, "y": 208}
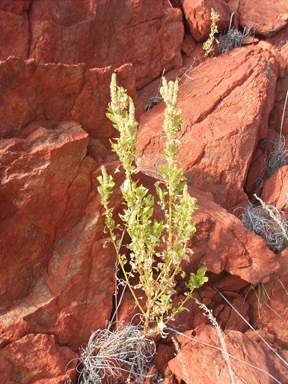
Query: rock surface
{"x": 272, "y": 316}
{"x": 198, "y": 16}
{"x": 57, "y": 277}
{"x": 275, "y": 188}
{"x": 216, "y": 149}
{"x": 267, "y": 19}
{"x": 15, "y": 29}
{"x": 97, "y": 33}
{"x": 203, "y": 364}
{"x": 37, "y": 359}
{"x": 58, "y": 92}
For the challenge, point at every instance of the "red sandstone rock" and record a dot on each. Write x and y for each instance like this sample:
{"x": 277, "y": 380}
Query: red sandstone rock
{"x": 33, "y": 199}
{"x": 52, "y": 237}
{"x": 198, "y": 16}
{"x": 275, "y": 188}
{"x": 279, "y": 38}
{"x": 97, "y": 33}
{"x": 14, "y": 29}
{"x": 221, "y": 127}
{"x": 32, "y": 92}
{"x": 101, "y": 33}
{"x": 257, "y": 174}
{"x": 188, "y": 45}
{"x": 221, "y": 242}
{"x": 36, "y": 358}
{"x": 203, "y": 364}
{"x": 269, "y": 312}
{"x": 267, "y": 19}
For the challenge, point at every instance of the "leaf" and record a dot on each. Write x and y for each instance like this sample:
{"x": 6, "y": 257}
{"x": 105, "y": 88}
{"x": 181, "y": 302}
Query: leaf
{"x": 180, "y": 186}
{"x": 202, "y": 271}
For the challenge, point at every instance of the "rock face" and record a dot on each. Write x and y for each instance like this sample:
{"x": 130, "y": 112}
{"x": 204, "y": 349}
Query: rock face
{"x": 267, "y": 19}
{"x": 36, "y": 358}
{"x": 272, "y": 317}
{"x": 34, "y": 198}
{"x": 15, "y": 31}
{"x": 198, "y": 16}
{"x": 57, "y": 270}
{"x": 216, "y": 150}
{"x": 31, "y": 92}
{"x": 97, "y": 33}
{"x": 57, "y": 277}
{"x": 203, "y": 364}
{"x": 274, "y": 191}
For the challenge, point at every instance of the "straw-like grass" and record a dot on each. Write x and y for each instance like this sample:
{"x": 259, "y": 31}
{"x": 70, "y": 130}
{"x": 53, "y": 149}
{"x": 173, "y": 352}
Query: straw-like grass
{"x": 110, "y": 355}
{"x": 268, "y": 222}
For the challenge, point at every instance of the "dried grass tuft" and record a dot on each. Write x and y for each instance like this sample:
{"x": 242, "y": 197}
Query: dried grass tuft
{"x": 234, "y": 38}
{"x": 268, "y": 222}
{"x": 111, "y": 354}
{"x": 278, "y": 158}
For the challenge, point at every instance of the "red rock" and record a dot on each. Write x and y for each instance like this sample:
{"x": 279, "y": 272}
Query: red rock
{"x": 275, "y": 188}
{"x": 203, "y": 364}
{"x": 151, "y": 91}
{"x": 164, "y": 353}
{"x": 57, "y": 270}
{"x": 260, "y": 335}
{"x": 188, "y": 45}
{"x": 14, "y": 29}
{"x": 32, "y": 92}
{"x": 198, "y": 16}
{"x": 221, "y": 127}
{"x": 33, "y": 199}
{"x": 230, "y": 283}
{"x": 256, "y": 174}
{"x": 267, "y": 19}
{"x": 279, "y": 38}
{"x": 276, "y": 115}
{"x": 37, "y": 358}
{"x": 102, "y": 33}
{"x": 269, "y": 312}
{"x": 234, "y": 321}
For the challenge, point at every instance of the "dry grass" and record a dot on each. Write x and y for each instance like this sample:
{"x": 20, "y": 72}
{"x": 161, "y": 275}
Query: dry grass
{"x": 268, "y": 222}
{"x": 110, "y": 355}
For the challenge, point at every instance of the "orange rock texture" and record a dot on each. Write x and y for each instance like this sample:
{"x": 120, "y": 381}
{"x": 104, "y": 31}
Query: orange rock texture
{"x": 58, "y": 272}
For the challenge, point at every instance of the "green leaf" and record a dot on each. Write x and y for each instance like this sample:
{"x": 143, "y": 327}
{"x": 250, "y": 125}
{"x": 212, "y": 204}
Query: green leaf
{"x": 180, "y": 186}
{"x": 202, "y": 271}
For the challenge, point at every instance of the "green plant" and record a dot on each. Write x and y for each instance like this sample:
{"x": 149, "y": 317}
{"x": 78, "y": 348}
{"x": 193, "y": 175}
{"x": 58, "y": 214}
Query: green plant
{"x": 156, "y": 248}
{"x": 208, "y": 45}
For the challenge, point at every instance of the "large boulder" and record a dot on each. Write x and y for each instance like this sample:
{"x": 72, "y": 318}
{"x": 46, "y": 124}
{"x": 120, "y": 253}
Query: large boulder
{"x": 37, "y": 358}
{"x": 269, "y": 312}
{"x": 15, "y": 33}
{"x": 198, "y": 16}
{"x": 200, "y": 360}
{"x": 225, "y": 106}
{"x": 58, "y": 92}
{"x": 266, "y": 19}
{"x": 58, "y": 278}
{"x": 98, "y": 33}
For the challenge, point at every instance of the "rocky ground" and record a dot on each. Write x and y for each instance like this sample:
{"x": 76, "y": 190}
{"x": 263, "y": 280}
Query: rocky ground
{"x": 57, "y": 278}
